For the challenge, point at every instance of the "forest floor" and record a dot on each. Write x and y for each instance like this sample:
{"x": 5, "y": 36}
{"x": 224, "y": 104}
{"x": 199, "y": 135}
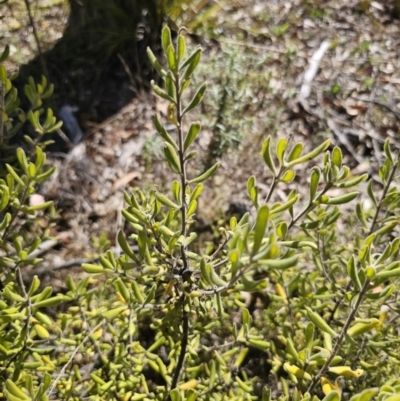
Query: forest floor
{"x": 256, "y": 55}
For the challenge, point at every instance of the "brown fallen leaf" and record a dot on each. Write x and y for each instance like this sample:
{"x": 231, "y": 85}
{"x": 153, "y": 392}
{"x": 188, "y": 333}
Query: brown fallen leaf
{"x": 126, "y": 179}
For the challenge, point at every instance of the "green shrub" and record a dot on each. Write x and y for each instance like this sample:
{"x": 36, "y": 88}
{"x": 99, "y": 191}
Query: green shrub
{"x": 160, "y": 321}
{"x": 24, "y": 223}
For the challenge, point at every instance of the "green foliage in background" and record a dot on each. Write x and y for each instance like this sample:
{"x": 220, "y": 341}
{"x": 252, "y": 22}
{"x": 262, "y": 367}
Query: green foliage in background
{"x": 159, "y": 321}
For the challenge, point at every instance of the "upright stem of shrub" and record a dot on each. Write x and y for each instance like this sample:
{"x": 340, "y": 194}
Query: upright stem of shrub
{"x": 183, "y": 168}
{"x": 185, "y": 314}
{"x": 341, "y": 337}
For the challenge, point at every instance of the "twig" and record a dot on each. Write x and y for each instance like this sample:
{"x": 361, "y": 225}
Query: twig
{"x": 381, "y": 104}
{"x": 343, "y": 139}
{"x": 35, "y": 34}
{"x": 341, "y": 337}
{"x": 184, "y": 183}
{"x": 128, "y": 71}
{"x": 62, "y": 372}
{"x": 220, "y": 248}
{"x": 184, "y": 343}
{"x": 384, "y": 192}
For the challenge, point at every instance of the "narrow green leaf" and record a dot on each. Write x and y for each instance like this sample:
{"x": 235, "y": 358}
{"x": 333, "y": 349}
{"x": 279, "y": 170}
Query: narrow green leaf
{"x": 154, "y": 62}
{"x": 352, "y": 183}
{"x": 170, "y": 87}
{"x": 332, "y": 396}
{"x": 215, "y": 278}
{"x": 370, "y": 192}
{"x": 286, "y": 206}
{"x": 44, "y": 176}
{"x": 181, "y": 47}
{"x": 176, "y": 191}
{"x": 278, "y": 264}
{"x": 165, "y": 201}
{"x": 5, "y": 53}
{"x": 122, "y": 289}
{"x": 5, "y": 197}
{"x": 319, "y": 322}
{"x": 125, "y": 246}
{"x": 266, "y": 152}
{"x": 337, "y": 157}
{"x": 385, "y": 274}
{"x": 365, "y": 395}
{"x": 160, "y": 92}
{"x": 251, "y": 182}
{"x": 196, "y": 99}
{"x": 295, "y": 153}
{"x": 288, "y": 176}
{"x": 172, "y": 59}
{"x": 220, "y": 311}
{"x": 190, "y": 156}
{"x": 163, "y": 132}
{"x": 281, "y": 230}
{"x": 196, "y": 192}
{"x": 191, "y": 62}
{"x": 246, "y": 318}
{"x": 54, "y": 301}
{"x": 386, "y": 148}
{"x": 340, "y": 200}
{"x": 166, "y": 39}
{"x": 151, "y": 294}
{"x": 191, "y": 135}
{"x": 309, "y": 156}
{"x": 15, "y": 175}
{"x": 172, "y": 157}
{"x": 184, "y": 85}
{"x": 254, "y": 196}
{"x": 206, "y": 175}
{"x": 175, "y": 395}
{"x": 191, "y": 208}
{"x": 387, "y": 228}
{"x": 299, "y": 244}
{"x": 23, "y": 161}
{"x": 90, "y": 268}
{"x": 280, "y": 149}
{"x": 190, "y": 58}
{"x": 113, "y": 313}
{"x": 361, "y": 216}
{"x": 314, "y": 182}
{"x": 42, "y": 206}
{"x": 260, "y": 227}
{"x": 205, "y": 270}
{"x": 352, "y": 272}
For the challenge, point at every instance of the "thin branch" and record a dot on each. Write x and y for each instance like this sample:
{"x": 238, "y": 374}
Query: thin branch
{"x": 341, "y": 337}
{"x": 62, "y": 372}
{"x": 185, "y": 314}
{"x": 35, "y": 34}
{"x": 184, "y": 344}
{"x": 385, "y": 190}
{"x": 381, "y": 104}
